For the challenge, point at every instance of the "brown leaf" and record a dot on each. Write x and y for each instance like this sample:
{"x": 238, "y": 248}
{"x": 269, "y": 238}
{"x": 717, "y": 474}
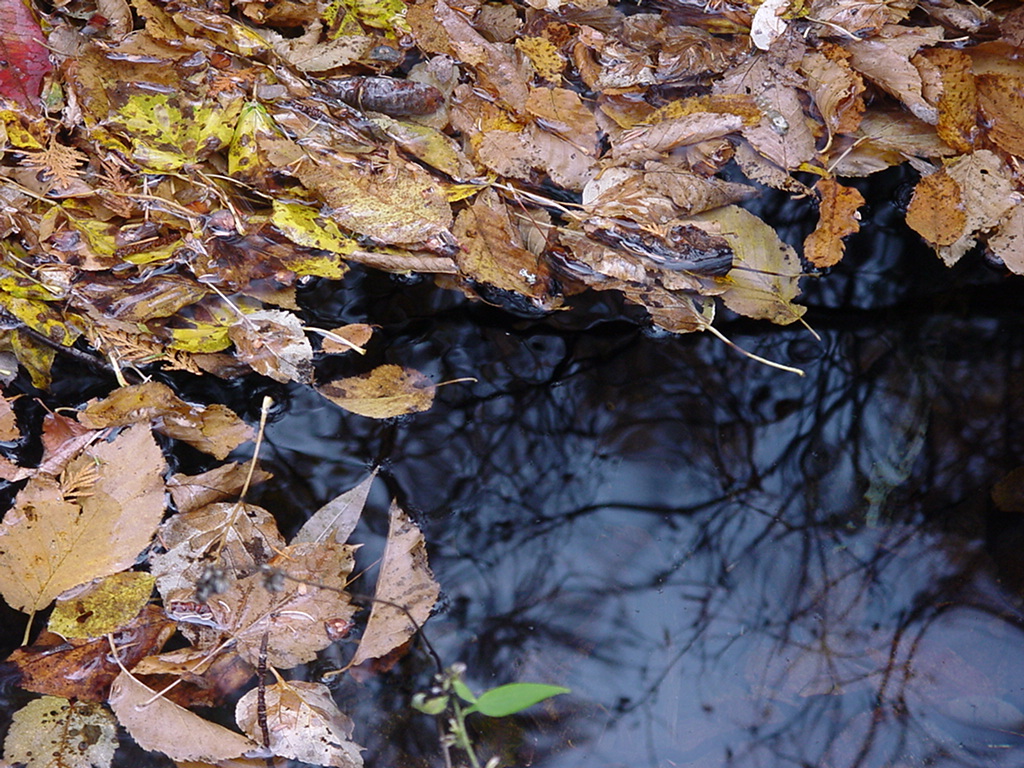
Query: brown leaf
{"x": 160, "y": 725}
{"x": 989, "y": 193}
{"x": 355, "y": 335}
{"x": 1008, "y": 240}
{"x": 295, "y": 616}
{"x": 213, "y": 429}
{"x": 958, "y": 104}
{"x": 200, "y": 681}
{"x": 336, "y": 519}
{"x": 274, "y": 343}
{"x": 1001, "y": 98}
{"x": 84, "y": 669}
{"x": 8, "y": 422}
{"x": 836, "y": 89}
{"x": 304, "y": 724}
{"x": 49, "y": 543}
{"x": 405, "y": 579}
{"x": 837, "y": 218}
{"x": 936, "y": 211}
{"x": 192, "y": 492}
{"x": 386, "y": 391}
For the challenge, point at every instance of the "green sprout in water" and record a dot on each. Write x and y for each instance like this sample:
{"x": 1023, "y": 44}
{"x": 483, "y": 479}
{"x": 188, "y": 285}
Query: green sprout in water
{"x": 451, "y": 693}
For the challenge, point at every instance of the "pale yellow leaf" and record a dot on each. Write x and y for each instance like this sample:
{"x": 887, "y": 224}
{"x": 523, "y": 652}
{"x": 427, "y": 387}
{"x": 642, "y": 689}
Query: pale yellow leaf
{"x": 160, "y": 725}
{"x": 304, "y": 724}
{"x": 49, "y": 543}
{"x": 53, "y": 732}
{"x": 405, "y": 580}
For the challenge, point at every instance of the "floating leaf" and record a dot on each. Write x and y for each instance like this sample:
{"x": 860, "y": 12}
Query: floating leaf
{"x": 274, "y": 343}
{"x": 162, "y": 726}
{"x": 936, "y": 211}
{"x": 94, "y": 523}
{"x": 304, "y": 724}
{"x": 101, "y": 606}
{"x": 837, "y": 218}
{"x": 386, "y": 391}
{"x": 353, "y": 337}
{"x": 405, "y": 580}
{"x": 336, "y": 519}
{"x": 53, "y": 732}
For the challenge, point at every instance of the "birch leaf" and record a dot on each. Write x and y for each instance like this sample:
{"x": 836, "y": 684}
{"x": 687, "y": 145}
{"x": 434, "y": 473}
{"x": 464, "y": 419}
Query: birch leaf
{"x": 53, "y": 732}
{"x": 57, "y": 537}
{"x": 837, "y": 218}
{"x": 405, "y": 579}
{"x": 102, "y": 606}
{"x": 386, "y": 391}
{"x": 304, "y": 724}
{"x": 339, "y": 516}
{"x": 162, "y": 726}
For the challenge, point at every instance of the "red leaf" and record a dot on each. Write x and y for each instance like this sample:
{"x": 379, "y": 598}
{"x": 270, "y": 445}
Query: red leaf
{"x": 24, "y": 60}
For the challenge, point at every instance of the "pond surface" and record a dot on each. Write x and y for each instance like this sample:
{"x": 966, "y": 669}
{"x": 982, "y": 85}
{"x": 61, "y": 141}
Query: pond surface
{"x": 729, "y": 565}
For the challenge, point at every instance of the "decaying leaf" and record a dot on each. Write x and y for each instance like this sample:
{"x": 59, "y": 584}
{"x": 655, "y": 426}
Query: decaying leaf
{"x": 274, "y": 343}
{"x": 304, "y": 724}
{"x": 213, "y": 429}
{"x": 347, "y": 338}
{"x": 936, "y": 211}
{"x": 384, "y": 392}
{"x": 95, "y": 609}
{"x": 8, "y": 422}
{"x": 162, "y": 726}
{"x": 84, "y": 669}
{"x": 336, "y": 519}
{"x": 837, "y": 218}
{"x": 192, "y": 492}
{"x": 53, "y": 540}
{"x": 404, "y": 580}
{"x": 52, "y": 731}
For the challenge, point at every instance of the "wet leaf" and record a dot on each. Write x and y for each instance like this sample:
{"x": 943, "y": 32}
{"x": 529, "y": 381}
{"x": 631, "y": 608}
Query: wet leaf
{"x": 84, "y": 669}
{"x": 384, "y": 392}
{"x": 213, "y": 429}
{"x": 274, "y": 343}
{"x": 304, "y": 724}
{"x": 509, "y": 699}
{"x": 53, "y": 732}
{"x": 8, "y": 422}
{"x": 355, "y": 336}
{"x": 936, "y": 211}
{"x": 837, "y": 218}
{"x": 160, "y": 725}
{"x": 26, "y": 60}
{"x": 336, "y": 519}
{"x": 405, "y": 580}
{"x": 193, "y": 492}
{"x": 94, "y": 609}
{"x": 93, "y": 522}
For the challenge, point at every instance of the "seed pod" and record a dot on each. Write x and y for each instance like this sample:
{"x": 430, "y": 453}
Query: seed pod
{"x": 394, "y": 97}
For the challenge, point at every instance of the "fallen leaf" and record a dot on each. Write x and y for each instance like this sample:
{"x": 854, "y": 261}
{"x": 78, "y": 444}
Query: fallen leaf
{"x": 837, "y": 218}
{"x": 26, "y": 59}
{"x": 274, "y": 343}
{"x": 192, "y": 492}
{"x": 103, "y": 605}
{"x": 213, "y": 429}
{"x": 304, "y": 724}
{"x": 988, "y": 194}
{"x": 355, "y": 336}
{"x": 9, "y": 431}
{"x": 384, "y": 392}
{"x": 1007, "y": 242}
{"x": 200, "y": 680}
{"x": 936, "y": 210}
{"x": 336, "y": 519}
{"x": 52, "y": 731}
{"x": 57, "y": 537}
{"x": 958, "y": 103}
{"x": 84, "y": 669}
{"x": 404, "y": 580}
{"x": 160, "y": 725}
{"x": 1001, "y": 98}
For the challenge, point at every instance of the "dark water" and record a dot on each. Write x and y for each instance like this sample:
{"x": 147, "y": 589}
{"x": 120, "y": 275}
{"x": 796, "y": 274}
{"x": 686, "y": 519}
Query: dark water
{"x": 728, "y": 565}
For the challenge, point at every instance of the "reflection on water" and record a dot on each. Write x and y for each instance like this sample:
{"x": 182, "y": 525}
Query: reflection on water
{"x": 729, "y": 565}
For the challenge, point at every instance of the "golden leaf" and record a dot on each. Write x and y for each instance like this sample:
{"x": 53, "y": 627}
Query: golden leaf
{"x": 386, "y": 391}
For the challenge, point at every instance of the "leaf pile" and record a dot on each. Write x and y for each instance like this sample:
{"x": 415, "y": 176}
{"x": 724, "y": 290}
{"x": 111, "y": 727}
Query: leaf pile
{"x": 86, "y": 529}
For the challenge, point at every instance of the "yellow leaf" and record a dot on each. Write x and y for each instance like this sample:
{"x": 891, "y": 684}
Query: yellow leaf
{"x": 50, "y": 543}
{"x": 102, "y": 606}
{"x": 837, "y": 218}
{"x": 204, "y": 337}
{"x": 386, "y": 391}
{"x": 305, "y": 225}
{"x": 53, "y": 731}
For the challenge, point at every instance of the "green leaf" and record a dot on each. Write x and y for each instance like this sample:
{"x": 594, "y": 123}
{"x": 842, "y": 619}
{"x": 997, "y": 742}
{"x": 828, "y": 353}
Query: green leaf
{"x": 462, "y": 690}
{"x": 515, "y": 697}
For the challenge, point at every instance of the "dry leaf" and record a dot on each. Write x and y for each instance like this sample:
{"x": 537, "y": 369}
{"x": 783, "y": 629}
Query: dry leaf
{"x": 386, "y": 391}
{"x": 1008, "y": 241}
{"x": 103, "y": 605}
{"x": 405, "y": 579}
{"x": 304, "y": 724}
{"x": 50, "y": 543}
{"x": 8, "y": 422}
{"x": 53, "y": 732}
{"x": 958, "y": 103}
{"x": 1002, "y": 103}
{"x": 160, "y": 725}
{"x": 936, "y": 211}
{"x": 336, "y": 519}
{"x": 274, "y": 343}
{"x": 988, "y": 194}
{"x": 837, "y": 218}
